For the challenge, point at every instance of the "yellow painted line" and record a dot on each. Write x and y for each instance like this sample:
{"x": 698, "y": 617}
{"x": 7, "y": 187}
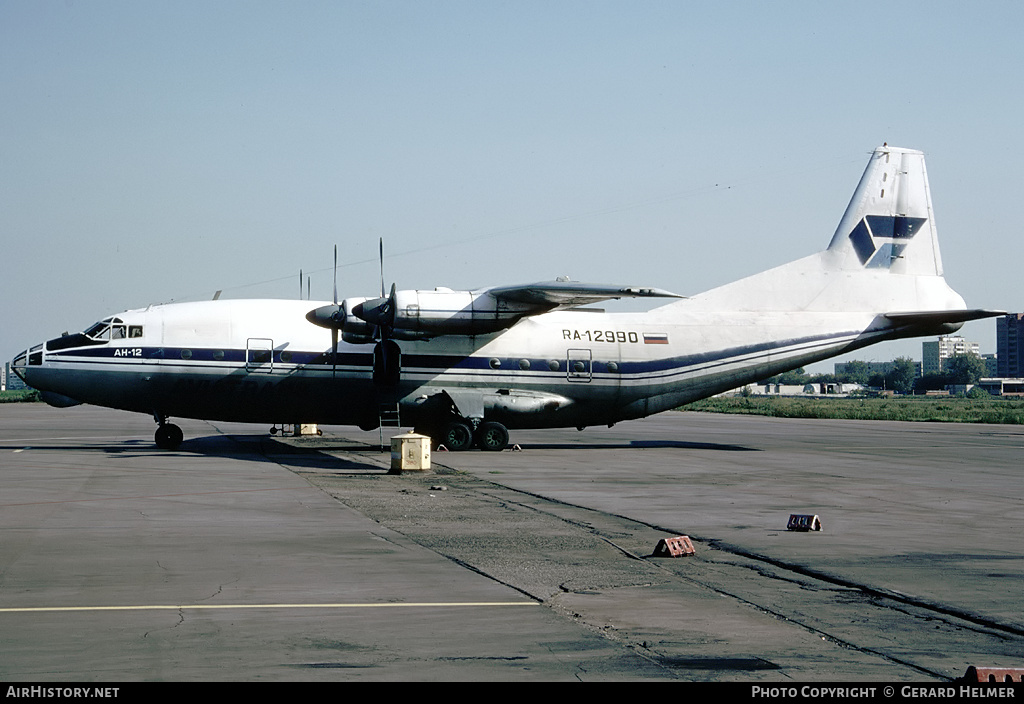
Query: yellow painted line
{"x": 178, "y": 607}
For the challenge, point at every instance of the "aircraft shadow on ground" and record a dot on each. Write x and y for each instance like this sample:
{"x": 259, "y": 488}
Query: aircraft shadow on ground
{"x": 116, "y": 447}
{"x": 255, "y": 447}
{"x": 641, "y": 445}
{"x": 319, "y": 457}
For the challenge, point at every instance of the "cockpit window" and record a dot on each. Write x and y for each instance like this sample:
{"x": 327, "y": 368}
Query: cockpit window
{"x": 113, "y": 329}
{"x": 99, "y": 331}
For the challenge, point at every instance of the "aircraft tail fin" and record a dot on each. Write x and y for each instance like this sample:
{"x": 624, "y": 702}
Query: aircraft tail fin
{"x": 889, "y": 224}
{"x": 885, "y": 252}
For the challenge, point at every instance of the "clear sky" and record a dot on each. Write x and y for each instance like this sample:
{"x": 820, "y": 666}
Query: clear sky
{"x": 156, "y": 151}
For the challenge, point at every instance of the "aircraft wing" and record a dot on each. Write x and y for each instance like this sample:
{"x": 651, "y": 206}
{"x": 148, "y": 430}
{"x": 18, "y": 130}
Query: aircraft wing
{"x": 421, "y": 315}
{"x": 564, "y": 294}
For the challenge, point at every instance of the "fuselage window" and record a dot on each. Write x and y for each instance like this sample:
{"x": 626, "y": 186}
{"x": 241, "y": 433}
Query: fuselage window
{"x": 118, "y": 332}
{"x": 134, "y": 331}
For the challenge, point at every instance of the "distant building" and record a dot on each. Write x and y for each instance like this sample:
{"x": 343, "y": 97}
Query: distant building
{"x": 809, "y": 389}
{"x": 991, "y": 365}
{"x": 1003, "y": 387}
{"x": 935, "y": 354}
{"x": 9, "y": 381}
{"x": 1010, "y": 346}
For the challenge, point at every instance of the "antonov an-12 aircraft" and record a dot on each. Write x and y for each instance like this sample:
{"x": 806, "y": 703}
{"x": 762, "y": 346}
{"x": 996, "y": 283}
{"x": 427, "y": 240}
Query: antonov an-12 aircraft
{"x": 466, "y": 366}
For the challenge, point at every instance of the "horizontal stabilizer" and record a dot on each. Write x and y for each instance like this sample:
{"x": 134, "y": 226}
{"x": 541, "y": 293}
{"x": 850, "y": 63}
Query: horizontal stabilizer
{"x": 943, "y": 316}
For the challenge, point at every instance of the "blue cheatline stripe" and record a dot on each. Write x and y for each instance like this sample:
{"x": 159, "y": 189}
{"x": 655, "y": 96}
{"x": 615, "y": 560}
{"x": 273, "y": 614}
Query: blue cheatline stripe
{"x": 665, "y": 367}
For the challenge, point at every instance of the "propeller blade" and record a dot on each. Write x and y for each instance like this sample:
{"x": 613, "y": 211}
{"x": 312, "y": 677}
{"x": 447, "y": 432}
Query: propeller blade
{"x": 335, "y": 274}
{"x": 334, "y": 352}
{"x": 382, "y": 267}
{"x": 389, "y": 315}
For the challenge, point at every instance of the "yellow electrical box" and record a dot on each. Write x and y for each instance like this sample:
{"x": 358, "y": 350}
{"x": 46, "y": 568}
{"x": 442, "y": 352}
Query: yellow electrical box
{"x": 410, "y": 452}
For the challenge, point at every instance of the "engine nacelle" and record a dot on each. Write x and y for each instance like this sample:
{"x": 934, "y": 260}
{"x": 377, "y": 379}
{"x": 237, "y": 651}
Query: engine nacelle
{"x": 353, "y": 327}
{"x": 422, "y": 314}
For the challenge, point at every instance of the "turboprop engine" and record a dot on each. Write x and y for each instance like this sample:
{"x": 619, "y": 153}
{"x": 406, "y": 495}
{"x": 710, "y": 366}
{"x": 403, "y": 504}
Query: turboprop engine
{"x": 420, "y": 315}
{"x": 340, "y": 317}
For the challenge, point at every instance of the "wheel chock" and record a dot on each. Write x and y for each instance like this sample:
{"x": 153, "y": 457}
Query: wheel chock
{"x": 803, "y": 522}
{"x": 516, "y": 448}
{"x": 993, "y": 674}
{"x": 441, "y": 448}
{"x": 679, "y": 546}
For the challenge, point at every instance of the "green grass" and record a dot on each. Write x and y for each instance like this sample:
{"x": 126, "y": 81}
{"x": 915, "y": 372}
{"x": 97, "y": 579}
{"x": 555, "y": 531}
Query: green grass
{"x": 912, "y": 408}
{"x": 944, "y": 409}
{"x": 27, "y": 395}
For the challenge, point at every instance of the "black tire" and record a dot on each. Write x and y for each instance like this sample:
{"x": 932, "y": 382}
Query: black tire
{"x": 456, "y": 436}
{"x": 168, "y": 436}
{"x": 492, "y": 436}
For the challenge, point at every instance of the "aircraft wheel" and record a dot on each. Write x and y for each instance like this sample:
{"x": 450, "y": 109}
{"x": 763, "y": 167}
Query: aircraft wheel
{"x": 456, "y": 436}
{"x": 492, "y": 436}
{"x": 168, "y": 436}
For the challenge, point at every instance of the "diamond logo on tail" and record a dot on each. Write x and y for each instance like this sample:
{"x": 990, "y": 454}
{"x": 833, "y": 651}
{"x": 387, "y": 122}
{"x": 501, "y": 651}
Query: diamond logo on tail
{"x": 881, "y": 239}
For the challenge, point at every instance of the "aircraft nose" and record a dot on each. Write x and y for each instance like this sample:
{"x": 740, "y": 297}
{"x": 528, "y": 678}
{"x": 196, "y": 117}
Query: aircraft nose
{"x": 23, "y": 363}
{"x": 19, "y": 365}
{"x": 20, "y": 362}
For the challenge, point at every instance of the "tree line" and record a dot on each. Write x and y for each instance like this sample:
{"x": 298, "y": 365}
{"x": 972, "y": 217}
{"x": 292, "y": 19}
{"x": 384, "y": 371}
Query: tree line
{"x": 964, "y": 368}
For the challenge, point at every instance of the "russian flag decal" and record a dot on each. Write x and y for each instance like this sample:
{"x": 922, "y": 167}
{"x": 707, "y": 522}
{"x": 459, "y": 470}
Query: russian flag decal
{"x": 655, "y": 338}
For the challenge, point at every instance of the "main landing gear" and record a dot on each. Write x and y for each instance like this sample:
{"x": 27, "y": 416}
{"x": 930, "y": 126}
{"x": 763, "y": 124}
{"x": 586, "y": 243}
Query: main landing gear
{"x": 168, "y": 435}
{"x": 458, "y": 434}
{"x": 491, "y": 436}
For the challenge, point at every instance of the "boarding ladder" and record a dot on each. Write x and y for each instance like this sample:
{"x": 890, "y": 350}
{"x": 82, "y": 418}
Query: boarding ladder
{"x": 389, "y": 416}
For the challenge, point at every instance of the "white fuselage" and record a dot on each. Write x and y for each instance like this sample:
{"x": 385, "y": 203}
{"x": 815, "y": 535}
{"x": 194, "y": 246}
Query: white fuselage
{"x": 494, "y": 356}
{"x": 261, "y": 361}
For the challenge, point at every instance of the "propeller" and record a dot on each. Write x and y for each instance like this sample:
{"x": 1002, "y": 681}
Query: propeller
{"x": 385, "y": 315}
{"x": 331, "y": 316}
{"x": 379, "y": 312}
{"x": 338, "y": 318}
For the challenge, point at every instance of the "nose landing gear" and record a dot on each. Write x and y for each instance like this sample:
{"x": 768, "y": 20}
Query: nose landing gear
{"x": 168, "y": 435}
